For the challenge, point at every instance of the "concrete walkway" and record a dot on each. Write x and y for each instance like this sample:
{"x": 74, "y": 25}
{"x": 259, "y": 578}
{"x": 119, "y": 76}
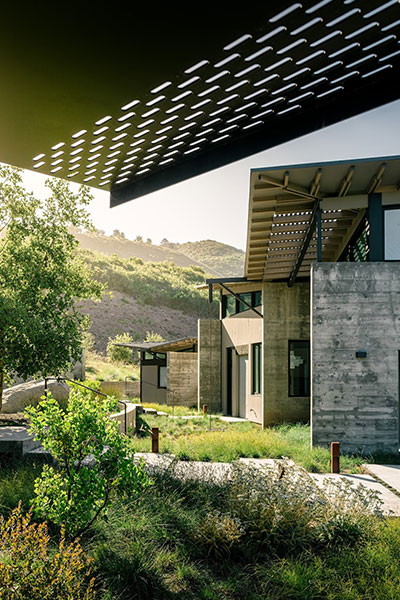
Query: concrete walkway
{"x": 391, "y": 502}
{"x": 390, "y": 474}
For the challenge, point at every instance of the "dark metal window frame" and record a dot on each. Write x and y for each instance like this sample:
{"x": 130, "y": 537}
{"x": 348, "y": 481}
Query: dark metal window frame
{"x": 239, "y": 304}
{"x": 309, "y": 369}
{"x": 385, "y": 208}
{"x": 349, "y": 249}
{"x": 159, "y": 386}
{"x": 253, "y": 371}
{"x": 229, "y": 370}
{"x": 162, "y": 362}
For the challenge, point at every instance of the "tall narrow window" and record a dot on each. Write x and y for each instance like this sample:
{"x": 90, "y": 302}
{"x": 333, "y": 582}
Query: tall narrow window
{"x": 162, "y": 377}
{"x": 256, "y": 299}
{"x": 299, "y": 368}
{"x": 256, "y": 361}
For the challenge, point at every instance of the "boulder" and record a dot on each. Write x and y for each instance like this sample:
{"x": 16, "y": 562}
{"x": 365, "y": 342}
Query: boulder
{"x": 18, "y": 397}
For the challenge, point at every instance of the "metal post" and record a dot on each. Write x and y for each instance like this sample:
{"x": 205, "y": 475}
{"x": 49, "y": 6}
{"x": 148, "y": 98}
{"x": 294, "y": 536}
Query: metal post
{"x": 335, "y": 457}
{"x": 205, "y": 410}
{"x": 45, "y": 387}
{"x": 154, "y": 439}
{"x": 319, "y": 235}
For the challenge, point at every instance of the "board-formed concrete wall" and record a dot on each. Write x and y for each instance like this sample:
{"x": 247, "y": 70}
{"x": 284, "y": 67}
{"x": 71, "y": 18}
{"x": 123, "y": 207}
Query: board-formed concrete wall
{"x": 286, "y": 317}
{"x": 356, "y": 306}
{"x": 182, "y": 378}
{"x": 209, "y": 364}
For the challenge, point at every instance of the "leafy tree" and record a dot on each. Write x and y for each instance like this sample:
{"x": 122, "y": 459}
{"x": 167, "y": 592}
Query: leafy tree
{"x": 138, "y": 238}
{"x": 151, "y": 336}
{"x": 164, "y": 242}
{"x": 148, "y": 241}
{"x": 75, "y": 493}
{"x": 118, "y": 234}
{"x": 41, "y": 276}
{"x": 120, "y": 353}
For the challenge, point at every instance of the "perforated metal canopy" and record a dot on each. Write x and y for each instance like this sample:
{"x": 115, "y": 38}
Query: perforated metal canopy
{"x": 282, "y": 208}
{"x": 132, "y": 101}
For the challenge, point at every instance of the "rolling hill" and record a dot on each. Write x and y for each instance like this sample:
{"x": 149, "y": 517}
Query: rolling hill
{"x": 153, "y": 287}
{"x": 217, "y": 259}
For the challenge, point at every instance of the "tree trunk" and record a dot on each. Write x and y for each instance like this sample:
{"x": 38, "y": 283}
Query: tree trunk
{"x": 1, "y": 386}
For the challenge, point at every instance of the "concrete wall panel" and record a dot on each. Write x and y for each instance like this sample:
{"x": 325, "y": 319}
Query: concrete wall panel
{"x": 356, "y": 306}
{"x": 209, "y": 364}
{"x": 182, "y": 378}
{"x": 286, "y": 317}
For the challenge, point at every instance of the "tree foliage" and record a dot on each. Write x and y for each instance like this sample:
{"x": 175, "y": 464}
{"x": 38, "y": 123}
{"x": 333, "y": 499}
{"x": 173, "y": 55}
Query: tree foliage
{"x": 41, "y": 276}
{"x": 76, "y": 492}
{"x": 119, "y": 354}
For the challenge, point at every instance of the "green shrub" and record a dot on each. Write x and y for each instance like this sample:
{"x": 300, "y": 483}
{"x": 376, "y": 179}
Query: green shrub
{"x": 151, "y": 336}
{"x": 120, "y": 354}
{"x": 31, "y": 569}
{"x": 77, "y": 491}
{"x": 283, "y": 509}
{"x": 218, "y": 533}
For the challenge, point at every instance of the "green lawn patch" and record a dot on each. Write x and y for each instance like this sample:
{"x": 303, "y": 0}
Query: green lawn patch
{"x": 206, "y": 439}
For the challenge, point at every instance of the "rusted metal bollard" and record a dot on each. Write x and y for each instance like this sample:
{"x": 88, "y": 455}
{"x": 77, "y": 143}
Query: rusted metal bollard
{"x": 205, "y": 410}
{"x": 154, "y": 439}
{"x": 335, "y": 457}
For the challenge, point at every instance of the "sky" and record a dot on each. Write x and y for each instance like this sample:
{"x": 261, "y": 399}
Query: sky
{"x": 214, "y": 205}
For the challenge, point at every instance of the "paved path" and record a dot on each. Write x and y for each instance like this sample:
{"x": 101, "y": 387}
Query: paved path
{"x": 390, "y": 474}
{"x": 391, "y": 502}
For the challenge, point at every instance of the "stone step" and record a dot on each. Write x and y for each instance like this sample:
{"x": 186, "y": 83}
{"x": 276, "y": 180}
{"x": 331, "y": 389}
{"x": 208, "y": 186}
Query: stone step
{"x": 40, "y": 455}
{"x": 16, "y": 440}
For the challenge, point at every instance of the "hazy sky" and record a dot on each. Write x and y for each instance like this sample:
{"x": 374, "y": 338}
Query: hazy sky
{"x": 214, "y": 205}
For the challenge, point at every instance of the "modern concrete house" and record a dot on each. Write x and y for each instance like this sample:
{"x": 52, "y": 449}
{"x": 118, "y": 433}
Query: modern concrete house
{"x": 312, "y": 331}
{"x": 168, "y": 371}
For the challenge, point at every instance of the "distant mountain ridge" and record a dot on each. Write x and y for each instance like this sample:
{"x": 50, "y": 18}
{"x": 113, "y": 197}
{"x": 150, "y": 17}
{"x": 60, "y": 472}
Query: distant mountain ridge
{"x": 216, "y": 258}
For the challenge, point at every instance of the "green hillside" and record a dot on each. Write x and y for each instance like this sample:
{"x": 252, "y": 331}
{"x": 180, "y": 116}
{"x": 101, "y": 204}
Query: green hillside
{"x": 157, "y": 296}
{"x": 217, "y": 259}
{"x": 221, "y": 259}
{"x": 155, "y": 283}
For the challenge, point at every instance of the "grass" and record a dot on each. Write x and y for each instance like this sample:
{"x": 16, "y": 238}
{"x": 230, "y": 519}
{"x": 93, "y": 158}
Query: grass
{"x": 178, "y": 411}
{"x": 216, "y": 440}
{"x": 153, "y": 547}
{"x": 100, "y": 368}
{"x": 149, "y": 549}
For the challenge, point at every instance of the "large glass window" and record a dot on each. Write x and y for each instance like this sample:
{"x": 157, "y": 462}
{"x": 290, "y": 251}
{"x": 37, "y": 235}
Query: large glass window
{"x": 256, "y": 374}
{"x": 247, "y": 298}
{"x": 299, "y": 368}
{"x": 392, "y": 234}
